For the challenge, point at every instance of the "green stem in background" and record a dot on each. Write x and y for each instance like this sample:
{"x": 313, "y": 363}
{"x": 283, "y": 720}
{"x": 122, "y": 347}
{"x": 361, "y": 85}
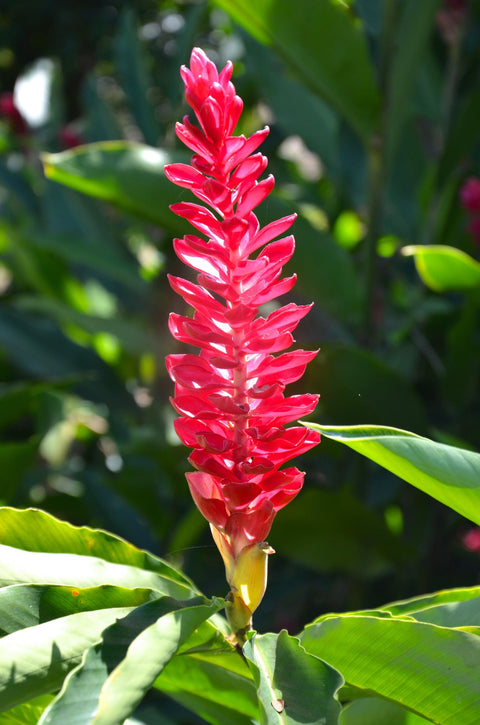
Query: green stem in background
{"x": 376, "y": 169}
{"x": 452, "y": 73}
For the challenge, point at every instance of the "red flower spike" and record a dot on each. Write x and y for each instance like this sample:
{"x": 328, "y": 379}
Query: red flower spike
{"x": 231, "y": 395}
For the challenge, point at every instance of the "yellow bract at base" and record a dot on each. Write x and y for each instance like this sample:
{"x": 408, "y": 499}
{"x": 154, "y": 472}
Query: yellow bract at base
{"x": 247, "y": 576}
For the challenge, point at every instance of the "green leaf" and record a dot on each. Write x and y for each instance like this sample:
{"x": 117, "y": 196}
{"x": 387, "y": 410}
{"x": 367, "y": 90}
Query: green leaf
{"x": 445, "y": 268}
{"x": 450, "y": 475}
{"x": 56, "y": 546}
{"x": 132, "y": 337}
{"x": 328, "y": 53}
{"x": 348, "y": 536}
{"x": 294, "y": 105}
{"x": 431, "y": 670}
{"x": 374, "y": 711}
{"x": 211, "y": 678}
{"x": 332, "y": 281}
{"x": 448, "y": 608}
{"x": 128, "y": 175}
{"x": 26, "y": 605}
{"x": 26, "y": 714}
{"x": 410, "y": 44}
{"x": 35, "y": 660}
{"x": 293, "y": 687}
{"x": 117, "y": 672}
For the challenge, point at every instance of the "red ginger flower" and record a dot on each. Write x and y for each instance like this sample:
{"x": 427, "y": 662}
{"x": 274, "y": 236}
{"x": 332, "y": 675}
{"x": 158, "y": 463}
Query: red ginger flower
{"x": 231, "y": 396}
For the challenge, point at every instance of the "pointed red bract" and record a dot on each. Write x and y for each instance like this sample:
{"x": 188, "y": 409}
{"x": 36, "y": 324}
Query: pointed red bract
{"x": 231, "y": 396}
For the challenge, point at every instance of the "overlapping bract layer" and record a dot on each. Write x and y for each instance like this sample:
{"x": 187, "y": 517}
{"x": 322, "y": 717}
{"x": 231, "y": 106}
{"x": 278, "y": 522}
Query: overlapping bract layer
{"x": 231, "y": 396}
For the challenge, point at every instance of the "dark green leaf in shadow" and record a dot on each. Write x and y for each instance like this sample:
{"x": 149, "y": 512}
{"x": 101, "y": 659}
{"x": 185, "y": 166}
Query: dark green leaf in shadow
{"x": 15, "y": 460}
{"x": 356, "y": 386}
{"x": 132, "y": 67}
{"x": 348, "y": 536}
{"x": 414, "y": 28}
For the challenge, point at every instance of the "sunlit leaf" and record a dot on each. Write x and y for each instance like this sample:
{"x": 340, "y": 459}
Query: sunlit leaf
{"x": 293, "y": 687}
{"x": 449, "y": 474}
{"x": 431, "y": 670}
{"x": 445, "y": 268}
{"x": 328, "y": 53}
{"x": 117, "y": 672}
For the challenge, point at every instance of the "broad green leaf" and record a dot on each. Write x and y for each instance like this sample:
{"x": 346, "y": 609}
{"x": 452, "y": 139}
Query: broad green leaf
{"x": 328, "y": 52}
{"x": 445, "y": 268}
{"x": 448, "y": 608}
{"x": 39, "y": 548}
{"x": 349, "y": 537}
{"x": 28, "y": 713}
{"x": 117, "y": 672}
{"x": 128, "y": 175}
{"x": 415, "y": 605}
{"x": 35, "y": 530}
{"x": 35, "y": 660}
{"x": 450, "y": 475}
{"x": 374, "y": 711}
{"x": 292, "y": 685}
{"x": 72, "y": 570}
{"x": 212, "y": 679}
{"x": 26, "y": 605}
{"x": 410, "y": 43}
{"x": 431, "y": 670}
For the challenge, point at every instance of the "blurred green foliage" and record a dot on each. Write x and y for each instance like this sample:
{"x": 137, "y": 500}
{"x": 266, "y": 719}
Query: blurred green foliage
{"x": 373, "y": 109}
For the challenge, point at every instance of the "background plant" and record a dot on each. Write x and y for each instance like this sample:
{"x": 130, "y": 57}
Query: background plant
{"x": 373, "y": 109}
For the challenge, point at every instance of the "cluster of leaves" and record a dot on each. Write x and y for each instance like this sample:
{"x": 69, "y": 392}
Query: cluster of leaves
{"x": 373, "y": 108}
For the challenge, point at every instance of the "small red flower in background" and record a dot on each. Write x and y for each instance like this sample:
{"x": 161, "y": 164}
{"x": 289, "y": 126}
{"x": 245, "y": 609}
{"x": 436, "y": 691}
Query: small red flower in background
{"x": 231, "y": 396}
{"x": 69, "y": 137}
{"x": 471, "y": 540}
{"x": 10, "y": 112}
{"x": 470, "y": 199}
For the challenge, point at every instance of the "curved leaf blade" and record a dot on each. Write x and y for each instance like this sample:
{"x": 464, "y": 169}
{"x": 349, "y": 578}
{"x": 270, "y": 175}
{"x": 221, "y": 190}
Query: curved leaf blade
{"x": 328, "y": 53}
{"x": 26, "y": 605}
{"x": 116, "y": 673}
{"x": 293, "y": 687}
{"x": 35, "y": 660}
{"x": 431, "y": 670}
{"x": 71, "y": 570}
{"x": 444, "y": 268}
{"x": 128, "y": 175}
{"x": 37, "y": 531}
{"x": 449, "y": 474}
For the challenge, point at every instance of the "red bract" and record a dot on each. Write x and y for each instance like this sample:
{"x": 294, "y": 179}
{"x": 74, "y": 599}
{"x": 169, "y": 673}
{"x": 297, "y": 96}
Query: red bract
{"x": 231, "y": 395}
